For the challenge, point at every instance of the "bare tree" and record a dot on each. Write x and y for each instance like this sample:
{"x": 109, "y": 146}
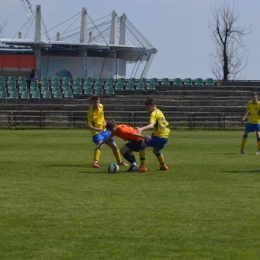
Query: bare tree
{"x": 230, "y": 57}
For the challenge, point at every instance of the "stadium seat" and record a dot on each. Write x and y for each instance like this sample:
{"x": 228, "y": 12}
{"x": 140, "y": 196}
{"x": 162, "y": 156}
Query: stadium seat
{"x": 25, "y": 94}
{"x": 43, "y": 89}
{"x": 11, "y": 79}
{"x": 3, "y": 94}
{"x": 143, "y": 80}
{"x": 99, "y": 80}
{"x": 111, "y": 80}
{"x": 2, "y": 88}
{"x": 150, "y": 86}
{"x": 165, "y": 81}
{"x": 22, "y": 84}
{"x": 34, "y": 88}
{"x": 2, "y": 84}
{"x": 36, "y": 95}
{"x": 21, "y": 79}
{"x": 77, "y": 80}
{"x": 22, "y": 88}
{"x": 209, "y": 82}
{"x": 43, "y": 84}
{"x": 97, "y": 85}
{"x": 44, "y": 79}
{"x": 132, "y": 80}
{"x": 46, "y": 94}
{"x": 66, "y": 80}
{"x": 57, "y": 94}
{"x": 119, "y": 86}
{"x": 89, "y": 80}
{"x": 187, "y": 82}
{"x": 68, "y": 93}
{"x": 109, "y": 90}
{"x": 2, "y": 79}
{"x": 108, "y": 85}
{"x": 88, "y": 91}
{"x": 76, "y": 85}
{"x": 55, "y": 79}
{"x": 13, "y": 94}
{"x": 87, "y": 85}
{"x": 129, "y": 86}
{"x": 140, "y": 86}
{"x": 177, "y": 81}
{"x": 99, "y": 91}
{"x": 198, "y": 82}
{"x": 121, "y": 80}
{"x": 11, "y": 88}
{"x": 77, "y": 91}
{"x": 11, "y": 84}
{"x": 154, "y": 80}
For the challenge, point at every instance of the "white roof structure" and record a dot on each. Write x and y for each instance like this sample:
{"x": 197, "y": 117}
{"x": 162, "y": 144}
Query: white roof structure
{"x": 110, "y": 37}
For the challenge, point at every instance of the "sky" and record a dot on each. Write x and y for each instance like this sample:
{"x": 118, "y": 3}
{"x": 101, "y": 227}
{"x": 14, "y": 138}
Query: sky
{"x": 178, "y": 29}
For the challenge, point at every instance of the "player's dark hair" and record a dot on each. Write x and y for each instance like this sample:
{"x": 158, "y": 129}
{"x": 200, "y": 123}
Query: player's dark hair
{"x": 111, "y": 124}
{"x": 94, "y": 98}
{"x": 150, "y": 101}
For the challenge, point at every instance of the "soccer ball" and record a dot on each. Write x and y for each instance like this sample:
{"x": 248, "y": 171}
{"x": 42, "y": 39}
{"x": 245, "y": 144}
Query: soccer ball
{"x": 113, "y": 168}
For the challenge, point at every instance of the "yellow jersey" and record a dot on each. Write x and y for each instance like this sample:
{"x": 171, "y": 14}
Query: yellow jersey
{"x": 96, "y": 118}
{"x": 161, "y": 126}
{"x": 254, "y": 110}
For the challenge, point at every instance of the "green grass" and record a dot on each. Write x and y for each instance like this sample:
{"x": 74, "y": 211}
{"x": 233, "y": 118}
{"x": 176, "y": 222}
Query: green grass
{"x": 53, "y": 205}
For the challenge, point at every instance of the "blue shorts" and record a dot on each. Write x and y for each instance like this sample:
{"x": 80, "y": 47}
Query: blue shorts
{"x": 252, "y": 127}
{"x": 101, "y": 136}
{"x": 156, "y": 142}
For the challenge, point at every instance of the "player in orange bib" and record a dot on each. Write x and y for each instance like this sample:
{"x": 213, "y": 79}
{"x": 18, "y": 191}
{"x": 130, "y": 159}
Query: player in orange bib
{"x": 129, "y": 134}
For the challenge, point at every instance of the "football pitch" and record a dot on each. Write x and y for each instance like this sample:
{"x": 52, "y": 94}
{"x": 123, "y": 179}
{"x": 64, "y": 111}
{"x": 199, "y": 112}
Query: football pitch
{"x": 53, "y": 205}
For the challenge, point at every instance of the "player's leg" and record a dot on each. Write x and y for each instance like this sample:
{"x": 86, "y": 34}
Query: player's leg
{"x": 160, "y": 158}
{"x": 97, "y": 139}
{"x": 257, "y": 132}
{"x": 112, "y": 144}
{"x": 248, "y": 129}
{"x": 128, "y": 155}
{"x": 142, "y": 156}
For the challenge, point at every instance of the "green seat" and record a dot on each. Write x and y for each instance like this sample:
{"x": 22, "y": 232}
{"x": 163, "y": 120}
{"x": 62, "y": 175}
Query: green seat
{"x": 132, "y": 80}
{"x": 55, "y": 89}
{"x": 111, "y": 80}
{"x": 55, "y": 84}
{"x": 64, "y": 89}
{"x": 140, "y": 86}
{"x": 108, "y": 85}
{"x": 87, "y": 85}
{"x": 76, "y": 85}
{"x": 119, "y": 86}
{"x": 2, "y": 88}
{"x": 143, "y": 80}
{"x": 11, "y": 79}
{"x": 77, "y": 91}
{"x": 11, "y": 84}
{"x": 165, "y": 81}
{"x": 2, "y": 79}
{"x": 13, "y": 94}
{"x": 44, "y": 89}
{"x": 55, "y": 79}
{"x": 198, "y": 82}
{"x": 109, "y": 90}
{"x": 46, "y": 94}
{"x": 99, "y": 91}
{"x": 121, "y": 80}
{"x": 98, "y": 85}
{"x": 21, "y": 79}
{"x": 89, "y": 80}
{"x": 154, "y": 80}
{"x": 25, "y": 94}
{"x": 177, "y": 81}
{"x": 187, "y": 82}
{"x": 36, "y": 95}
{"x": 209, "y": 82}
{"x": 66, "y": 80}
{"x": 22, "y": 88}
{"x": 150, "y": 86}
{"x": 68, "y": 93}
{"x": 77, "y": 80}
{"x": 34, "y": 88}
{"x": 2, "y": 84}
{"x": 88, "y": 91}
{"x": 3, "y": 94}
{"x": 44, "y": 84}
{"x": 100, "y": 80}
{"x": 57, "y": 94}
{"x": 44, "y": 79}
{"x": 129, "y": 86}
{"x": 11, "y": 88}
{"x": 23, "y": 84}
